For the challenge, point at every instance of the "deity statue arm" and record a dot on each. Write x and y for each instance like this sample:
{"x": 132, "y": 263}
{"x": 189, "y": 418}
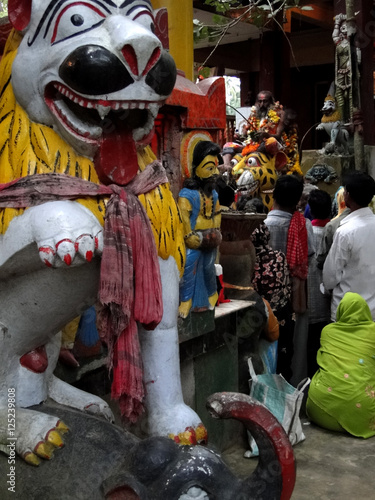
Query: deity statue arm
{"x": 217, "y": 217}
{"x": 336, "y": 30}
{"x": 193, "y": 241}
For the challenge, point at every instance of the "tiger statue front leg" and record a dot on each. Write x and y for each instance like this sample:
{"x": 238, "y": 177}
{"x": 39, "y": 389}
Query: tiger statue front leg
{"x": 49, "y": 264}
{"x": 81, "y": 85}
{"x": 168, "y": 415}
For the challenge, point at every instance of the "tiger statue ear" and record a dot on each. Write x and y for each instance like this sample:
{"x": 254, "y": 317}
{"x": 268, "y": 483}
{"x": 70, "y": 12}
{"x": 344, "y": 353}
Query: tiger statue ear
{"x": 161, "y": 26}
{"x": 19, "y": 13}
{"x": 281, "y": 160}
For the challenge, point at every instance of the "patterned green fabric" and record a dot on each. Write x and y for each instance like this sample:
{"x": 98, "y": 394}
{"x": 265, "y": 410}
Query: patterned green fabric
{"x": 344, "y": 385}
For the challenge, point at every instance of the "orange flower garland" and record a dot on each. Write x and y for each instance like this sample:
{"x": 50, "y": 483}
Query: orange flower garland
{"x": 268, "y": 124}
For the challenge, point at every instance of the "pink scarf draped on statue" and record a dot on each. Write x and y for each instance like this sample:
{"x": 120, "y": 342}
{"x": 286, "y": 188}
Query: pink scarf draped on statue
{"x": 130, "y": 284}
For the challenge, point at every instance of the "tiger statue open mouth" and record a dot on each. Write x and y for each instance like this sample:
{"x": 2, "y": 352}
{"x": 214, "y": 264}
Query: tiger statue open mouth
{"x": 86, "y": 118}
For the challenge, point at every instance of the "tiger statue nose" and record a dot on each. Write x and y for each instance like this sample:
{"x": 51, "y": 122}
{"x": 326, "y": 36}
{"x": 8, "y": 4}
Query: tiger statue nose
{"x": 140, "y": 48}
{"x": 131, "y": 58}
{"x": 138, "y": 54}
{"x": 94, "y": 70}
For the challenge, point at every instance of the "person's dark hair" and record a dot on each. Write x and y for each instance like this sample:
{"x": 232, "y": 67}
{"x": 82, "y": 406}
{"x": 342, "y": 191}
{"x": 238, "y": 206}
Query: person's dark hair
{"x": 289, "y": 119}
{"x": 202, "y": 149}
{"x": 360, "y": 186}
{"x": 320, "y": 204}
{"x": 288, "y": 191}
{"x": 250, "y": 205}
{"x": 255, "y": 206}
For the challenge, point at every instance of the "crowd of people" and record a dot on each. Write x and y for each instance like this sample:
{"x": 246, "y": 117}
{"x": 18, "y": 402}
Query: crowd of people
{"x": 327, "y": 310}
{"x": 315, "y": 267}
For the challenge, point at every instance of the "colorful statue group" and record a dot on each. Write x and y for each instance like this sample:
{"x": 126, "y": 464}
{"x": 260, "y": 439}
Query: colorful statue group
{"x": 269, "y": 119}
{"x": 87, "y": 216}
{"x": 270, "y": 150}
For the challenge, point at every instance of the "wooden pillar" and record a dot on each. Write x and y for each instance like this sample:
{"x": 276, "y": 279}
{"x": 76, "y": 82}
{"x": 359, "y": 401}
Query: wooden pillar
{"x": 180, "y": 22}
{"x": 246, "y": 98}
{"x": 282, "y": 74}
{"x": 267, "y": 67}
{"x": 274, "y": 73}
{"x": 365, "y": 39}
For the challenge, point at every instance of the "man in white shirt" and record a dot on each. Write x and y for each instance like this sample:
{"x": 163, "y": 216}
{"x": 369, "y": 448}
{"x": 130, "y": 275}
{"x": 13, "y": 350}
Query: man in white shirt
{"x": 350, "y": 263}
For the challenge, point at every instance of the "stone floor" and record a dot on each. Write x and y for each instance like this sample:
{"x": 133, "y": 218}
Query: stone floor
{"x": 330, "y": 466}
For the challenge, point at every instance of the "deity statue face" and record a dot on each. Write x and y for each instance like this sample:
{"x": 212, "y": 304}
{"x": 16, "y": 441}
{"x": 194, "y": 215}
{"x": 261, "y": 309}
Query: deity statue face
{"x": 344, "y": 29}
{"x": 207, "y": 167}
{"x": 320, "y": 172}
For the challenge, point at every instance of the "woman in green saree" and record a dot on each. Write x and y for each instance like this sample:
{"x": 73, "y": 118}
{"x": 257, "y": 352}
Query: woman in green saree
{"x": 342, "y": 392}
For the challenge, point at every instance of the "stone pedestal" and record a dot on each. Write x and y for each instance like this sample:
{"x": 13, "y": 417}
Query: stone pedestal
{"x": 213, "y": 346}
{"x": 341, "y": 164}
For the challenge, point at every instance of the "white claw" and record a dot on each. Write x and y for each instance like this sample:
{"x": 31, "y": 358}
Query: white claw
{"x": 66, "y": 251}
{"x": 47, "y": 255}
{"x": 85, "y": 246}
{"x": 99, "y": 243}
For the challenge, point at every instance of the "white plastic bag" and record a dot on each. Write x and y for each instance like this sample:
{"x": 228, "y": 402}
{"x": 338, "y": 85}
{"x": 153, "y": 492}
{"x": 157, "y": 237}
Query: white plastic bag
{"x": 282, "y": 400}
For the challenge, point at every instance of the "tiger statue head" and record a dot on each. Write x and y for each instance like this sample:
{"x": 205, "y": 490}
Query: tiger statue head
{"x": 80, "y": 86}
{"x": 257, "y": 172}
{"x": 95, "y": 73}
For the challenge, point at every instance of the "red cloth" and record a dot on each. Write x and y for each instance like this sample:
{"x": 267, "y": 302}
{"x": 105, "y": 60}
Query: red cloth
{"x": 320, "y": 222}
{"x": 130, "y": 284}
{"x": 297, "y": 247}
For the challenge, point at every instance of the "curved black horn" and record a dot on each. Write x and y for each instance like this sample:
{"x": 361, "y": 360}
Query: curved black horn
{"x": 275, "y": 475}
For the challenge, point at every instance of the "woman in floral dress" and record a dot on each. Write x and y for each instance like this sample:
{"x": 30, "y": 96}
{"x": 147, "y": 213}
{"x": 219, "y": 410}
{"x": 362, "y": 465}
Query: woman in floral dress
{"x": 272, "y": 281}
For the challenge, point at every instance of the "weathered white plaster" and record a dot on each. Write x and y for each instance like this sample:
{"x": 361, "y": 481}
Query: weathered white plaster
{"x": 167, "y": 412}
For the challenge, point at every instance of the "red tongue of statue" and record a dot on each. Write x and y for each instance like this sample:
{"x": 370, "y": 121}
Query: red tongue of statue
{"x": 116, "y": 160}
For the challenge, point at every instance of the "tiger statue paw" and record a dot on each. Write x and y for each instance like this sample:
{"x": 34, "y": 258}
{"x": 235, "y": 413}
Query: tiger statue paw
{"x": 65, "y": 232}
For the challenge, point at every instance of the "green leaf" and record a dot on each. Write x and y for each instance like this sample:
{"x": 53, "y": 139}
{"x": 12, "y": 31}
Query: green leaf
{"x": 205, "y": 32}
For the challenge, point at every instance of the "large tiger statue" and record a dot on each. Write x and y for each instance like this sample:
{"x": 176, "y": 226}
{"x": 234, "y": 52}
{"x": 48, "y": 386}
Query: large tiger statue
{"x": 86, "y": 214}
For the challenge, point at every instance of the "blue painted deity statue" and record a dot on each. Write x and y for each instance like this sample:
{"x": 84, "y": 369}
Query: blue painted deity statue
{"x": 201, "y": 215}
